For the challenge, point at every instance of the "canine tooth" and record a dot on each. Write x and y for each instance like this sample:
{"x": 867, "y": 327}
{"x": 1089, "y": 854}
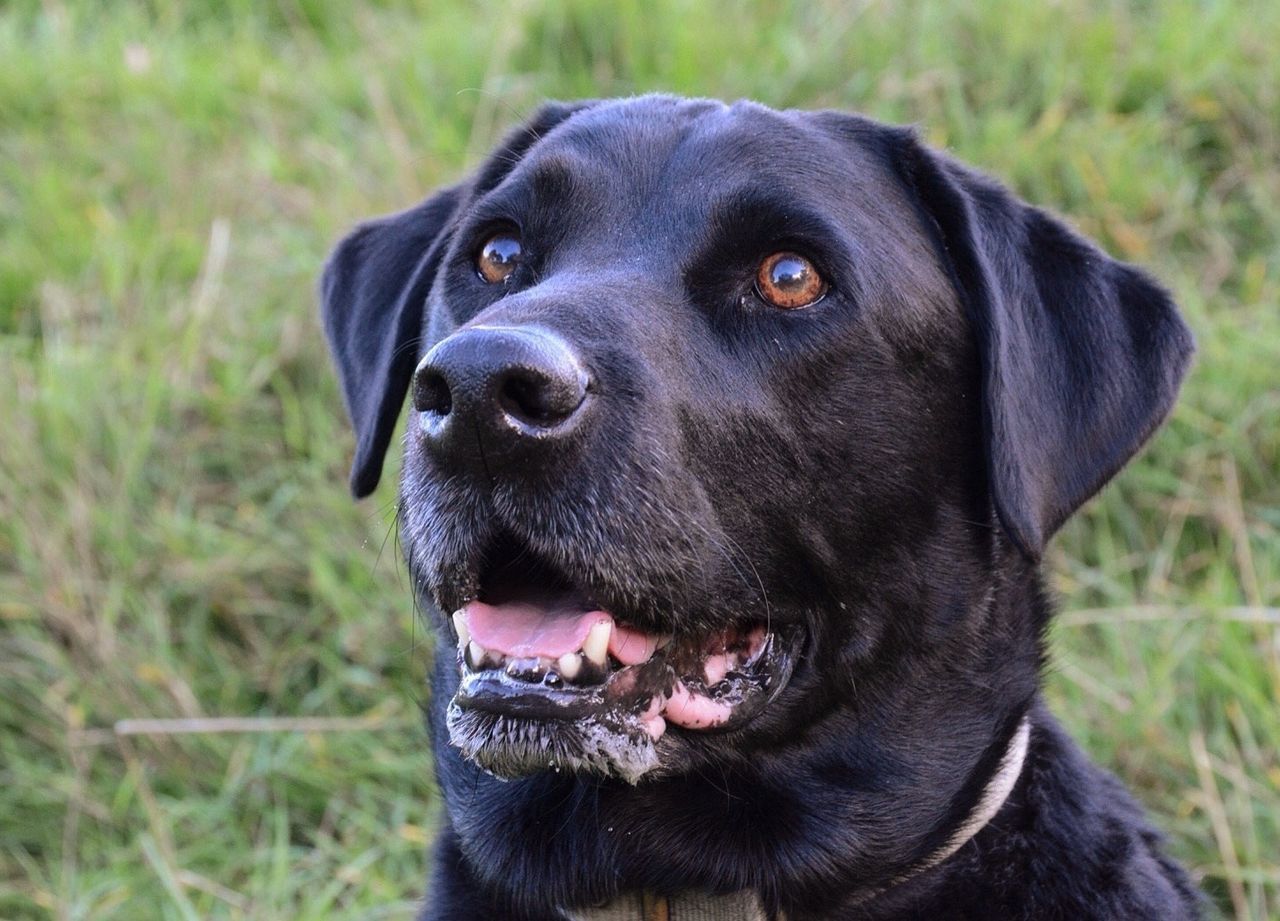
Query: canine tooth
{"x": 596, "y": 646}
{"x": 569, "y": 665}
{"x": 460, "y": 624}
{"x": 477, "y": 652}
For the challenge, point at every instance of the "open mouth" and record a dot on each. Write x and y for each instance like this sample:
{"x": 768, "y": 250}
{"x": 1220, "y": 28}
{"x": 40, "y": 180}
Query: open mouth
{"x": 549, "y": 679}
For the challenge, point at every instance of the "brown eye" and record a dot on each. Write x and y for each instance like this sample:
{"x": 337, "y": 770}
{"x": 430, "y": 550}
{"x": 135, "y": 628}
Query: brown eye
{"x": 498, "y": 257}
{"x": 788, "y": 280}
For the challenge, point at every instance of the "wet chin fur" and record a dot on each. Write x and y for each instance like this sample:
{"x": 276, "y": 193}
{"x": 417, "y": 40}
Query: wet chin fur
{"x": 513, "y": 746}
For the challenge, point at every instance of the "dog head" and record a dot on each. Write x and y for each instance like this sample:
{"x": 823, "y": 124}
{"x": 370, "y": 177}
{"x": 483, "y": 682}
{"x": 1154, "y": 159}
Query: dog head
{"x": 720, "y": 416}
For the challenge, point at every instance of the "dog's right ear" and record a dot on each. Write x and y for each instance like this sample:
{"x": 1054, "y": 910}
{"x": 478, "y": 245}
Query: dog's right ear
{"x": 373, "y": 297}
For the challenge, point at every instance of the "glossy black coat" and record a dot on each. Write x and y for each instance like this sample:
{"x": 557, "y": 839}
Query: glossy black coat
{"x": 882, "y": 469}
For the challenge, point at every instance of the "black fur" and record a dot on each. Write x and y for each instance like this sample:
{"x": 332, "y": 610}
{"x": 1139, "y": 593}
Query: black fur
{"x": 880, "y": 470}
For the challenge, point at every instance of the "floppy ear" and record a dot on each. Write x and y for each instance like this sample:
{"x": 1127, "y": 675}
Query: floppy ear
{"x": 373, "y": 296}
{"x": 1082, "y": 355}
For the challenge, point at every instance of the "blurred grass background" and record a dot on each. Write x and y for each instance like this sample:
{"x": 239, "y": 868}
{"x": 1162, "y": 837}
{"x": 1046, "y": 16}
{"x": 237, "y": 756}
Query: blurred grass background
{"x": 176, "y": 539}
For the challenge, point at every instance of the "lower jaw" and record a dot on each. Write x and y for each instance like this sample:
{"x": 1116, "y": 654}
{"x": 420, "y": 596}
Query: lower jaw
{"x": 510, "y": 746}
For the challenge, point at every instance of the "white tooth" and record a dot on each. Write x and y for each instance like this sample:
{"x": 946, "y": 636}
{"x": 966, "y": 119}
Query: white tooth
{"x": 478, "y": 653}
{"x": 596, "y": 645}
{"x": 569, "y": 665}
{"x": 460, "y": 624}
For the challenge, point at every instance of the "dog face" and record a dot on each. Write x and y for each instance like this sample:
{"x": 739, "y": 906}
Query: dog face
{"x": 723, "y": 419}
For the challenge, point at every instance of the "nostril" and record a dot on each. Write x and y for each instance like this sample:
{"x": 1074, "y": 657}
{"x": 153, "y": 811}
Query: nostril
{"x": 523, "y": 398}
{"x": 431, "y": 393}
{"x": 535, "y": 399}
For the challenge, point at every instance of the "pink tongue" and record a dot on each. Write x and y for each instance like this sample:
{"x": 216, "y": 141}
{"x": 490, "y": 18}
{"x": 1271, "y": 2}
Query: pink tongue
{"x": 522, "y": 630}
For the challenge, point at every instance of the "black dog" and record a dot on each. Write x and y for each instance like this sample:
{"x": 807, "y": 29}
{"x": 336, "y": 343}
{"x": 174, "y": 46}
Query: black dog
{"x": 736, "y": 438}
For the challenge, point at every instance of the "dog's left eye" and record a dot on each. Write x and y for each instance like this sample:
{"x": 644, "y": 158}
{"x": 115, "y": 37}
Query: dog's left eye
{"x": 498, "y": 258}
{"x": 789, "y": 280}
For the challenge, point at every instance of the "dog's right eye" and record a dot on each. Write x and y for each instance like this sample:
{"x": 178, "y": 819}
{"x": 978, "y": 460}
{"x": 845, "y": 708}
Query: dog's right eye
{"x": 790, "y": 281}
{"x": 498, "y": 258}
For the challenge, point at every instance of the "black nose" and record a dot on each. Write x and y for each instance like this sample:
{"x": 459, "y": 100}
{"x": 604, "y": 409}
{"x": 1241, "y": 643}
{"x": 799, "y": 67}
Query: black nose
{"x": 498, "y": 390}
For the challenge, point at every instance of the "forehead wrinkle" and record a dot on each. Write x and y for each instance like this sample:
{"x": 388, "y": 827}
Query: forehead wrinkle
{"x": 544, "y": 184}
{"x": 547, "y": 176}
{"x": 748, "y": 135}
{"x": 784, "y": 206}
{"x": 557, "y": 176}
{"x": 637, "y": 145}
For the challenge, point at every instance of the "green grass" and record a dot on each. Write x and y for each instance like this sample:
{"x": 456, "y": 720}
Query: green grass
{"x": 175, "y": 535}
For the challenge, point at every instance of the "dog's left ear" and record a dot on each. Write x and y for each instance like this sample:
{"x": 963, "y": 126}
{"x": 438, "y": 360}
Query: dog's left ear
{"x": 1082, "y": 355}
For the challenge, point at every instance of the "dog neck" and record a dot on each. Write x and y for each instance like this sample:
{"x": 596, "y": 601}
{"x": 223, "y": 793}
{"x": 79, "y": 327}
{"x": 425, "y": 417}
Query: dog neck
{"x": 747, "y": 906}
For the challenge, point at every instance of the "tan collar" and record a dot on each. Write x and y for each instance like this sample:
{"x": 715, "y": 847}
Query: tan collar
{"x": 993, "y": 796}
{"x": 746, "y": 905}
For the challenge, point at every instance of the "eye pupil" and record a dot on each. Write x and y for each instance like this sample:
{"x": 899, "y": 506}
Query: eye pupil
{"x": 499, "y": 257}
{"x": 789, "y": 280}
{"x": 790, "y": 272}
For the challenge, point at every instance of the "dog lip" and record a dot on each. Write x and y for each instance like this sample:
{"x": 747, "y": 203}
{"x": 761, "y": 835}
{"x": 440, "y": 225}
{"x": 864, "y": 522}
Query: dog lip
{"x": 682, "y": 684}
{"x": 497, "y": 691}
